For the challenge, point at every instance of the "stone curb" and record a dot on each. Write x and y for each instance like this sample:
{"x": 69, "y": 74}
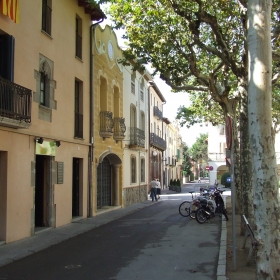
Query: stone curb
{"x": 222, "y": 262}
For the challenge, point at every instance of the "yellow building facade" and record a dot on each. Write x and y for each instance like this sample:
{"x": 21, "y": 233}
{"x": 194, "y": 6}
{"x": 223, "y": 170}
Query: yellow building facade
{"x": 109, "y": 124}
{"x": 45, "y": 139}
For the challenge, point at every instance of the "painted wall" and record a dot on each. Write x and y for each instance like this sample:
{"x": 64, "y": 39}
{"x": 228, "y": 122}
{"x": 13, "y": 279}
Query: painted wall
{"x": 110, "y": 72}
{"x": 59, "y": 48}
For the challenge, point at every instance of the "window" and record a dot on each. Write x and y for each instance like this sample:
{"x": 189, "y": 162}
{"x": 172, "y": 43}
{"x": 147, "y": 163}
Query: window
{"x": 142, "y": 170}
{"x": 133, "y": 169}
{"x": 7, "y": 48}
{"x": 78, "y": 37}
{"x": 133, "y": 76}
{"x": 133, "y": 122}
{"x": 43, "y": 89}
{"x": 78, "y": 110}
{"x": 142, "y": 90}
{"x": 46, "y": 16}
{"x": 142, "y": 120}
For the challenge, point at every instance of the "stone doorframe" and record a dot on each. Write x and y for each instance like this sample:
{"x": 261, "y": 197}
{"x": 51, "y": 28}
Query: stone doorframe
{"x": 116, "y": 162}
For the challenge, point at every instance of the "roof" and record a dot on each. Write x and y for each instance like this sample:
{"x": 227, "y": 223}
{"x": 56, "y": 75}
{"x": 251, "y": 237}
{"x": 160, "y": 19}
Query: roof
{"x": 92, "y": 9}
{"x": 149, "y": 78}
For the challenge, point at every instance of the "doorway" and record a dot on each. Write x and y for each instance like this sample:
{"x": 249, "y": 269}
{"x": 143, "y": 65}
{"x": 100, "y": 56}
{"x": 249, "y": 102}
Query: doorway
{"x": 3, "y": 194}
{"x": 76, "y": 187}
{"x": 42, "y": 191}
{"x": 104, "y": 182}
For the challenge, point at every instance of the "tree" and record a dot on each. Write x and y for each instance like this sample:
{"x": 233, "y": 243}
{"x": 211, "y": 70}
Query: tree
{"x": 199, "y": 150}
{"x": 199, "y": 46}
{"x": 186, "y": 164}
{"x": 266, "y": 195}
{"x": 196, "y": 46}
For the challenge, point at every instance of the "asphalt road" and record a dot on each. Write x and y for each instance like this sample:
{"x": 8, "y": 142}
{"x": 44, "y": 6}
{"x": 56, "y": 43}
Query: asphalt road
{"x": 152, "y": 243}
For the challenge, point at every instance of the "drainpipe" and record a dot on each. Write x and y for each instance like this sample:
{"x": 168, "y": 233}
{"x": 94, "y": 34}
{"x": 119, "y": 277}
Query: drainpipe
{"x": 151, "y": 83}
{"x": 163, "y": 152}
{"x": 91, "y": 120}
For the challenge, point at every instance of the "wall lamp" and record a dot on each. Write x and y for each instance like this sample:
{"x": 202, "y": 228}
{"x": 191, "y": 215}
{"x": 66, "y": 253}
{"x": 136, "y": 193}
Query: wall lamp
{"x": 154, "y": 153}
{"x": 40, "y": 140}
{"x": 57, "y": 143}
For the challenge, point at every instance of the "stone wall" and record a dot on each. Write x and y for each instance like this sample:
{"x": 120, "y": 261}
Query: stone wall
{"x": 134, "y": 195}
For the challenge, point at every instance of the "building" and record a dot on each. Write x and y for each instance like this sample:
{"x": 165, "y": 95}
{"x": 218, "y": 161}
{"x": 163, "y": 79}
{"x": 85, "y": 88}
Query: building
{"x": 157, "y": 143}
{"x": 216, "y": 153}
{"x": 109, "y": 126}
{"x": 136, "y": 112}
{"x": 45, "y": 141}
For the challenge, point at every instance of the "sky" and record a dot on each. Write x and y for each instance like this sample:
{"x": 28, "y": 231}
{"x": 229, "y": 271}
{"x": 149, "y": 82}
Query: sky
{"x": 173, "y": 101}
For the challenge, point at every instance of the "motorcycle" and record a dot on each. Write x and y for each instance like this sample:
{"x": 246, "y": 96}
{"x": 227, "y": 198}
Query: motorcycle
{"x": 207, "y": 209}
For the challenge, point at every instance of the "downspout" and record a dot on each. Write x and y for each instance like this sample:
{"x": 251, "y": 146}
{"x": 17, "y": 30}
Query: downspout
{"x": 149, "y": 130}
{"x": 91, "y": 120}
{"x": 162, "y": 158}
{"x": 149, "y": 133}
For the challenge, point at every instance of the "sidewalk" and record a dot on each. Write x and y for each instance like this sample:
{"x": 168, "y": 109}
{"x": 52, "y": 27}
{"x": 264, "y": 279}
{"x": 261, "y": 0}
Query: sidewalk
{"x": 19, "y": 249}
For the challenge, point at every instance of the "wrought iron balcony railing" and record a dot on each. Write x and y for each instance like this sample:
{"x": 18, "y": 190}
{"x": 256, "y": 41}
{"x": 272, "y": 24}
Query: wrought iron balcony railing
{"x": 157, "y": 112}
{"x": 137, "y": 137}
{"x": 119, "y": 129}
{"x": 15, "y": 102}
{"x": 157, "y": 142}
{"x": 106, "y": 124}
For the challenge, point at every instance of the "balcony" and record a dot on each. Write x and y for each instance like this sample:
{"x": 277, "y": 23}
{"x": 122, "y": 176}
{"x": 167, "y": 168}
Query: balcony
{"x": 157, "y": 142}
{"x": 106, "y": 124}
{"x": 216, "y": 156}
{"x": 137, "y": 138}
{"x": 15, "y": 105}
{"x": 157, "y": 113}
{"x": 119, "y": 129}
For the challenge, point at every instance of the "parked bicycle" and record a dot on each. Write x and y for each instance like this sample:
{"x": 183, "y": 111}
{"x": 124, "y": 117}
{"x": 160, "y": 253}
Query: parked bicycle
{"x": 185, "y": 207}
{"x": 208, "y": 210}
{"x": 188, "y": 208}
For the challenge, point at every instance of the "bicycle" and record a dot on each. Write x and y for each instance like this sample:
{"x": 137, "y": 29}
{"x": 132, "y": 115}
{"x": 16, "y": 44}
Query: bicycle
{"x": 188, "y": 208}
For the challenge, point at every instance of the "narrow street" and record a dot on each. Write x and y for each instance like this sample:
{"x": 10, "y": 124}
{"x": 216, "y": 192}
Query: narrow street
{"x": 152, "y": 243}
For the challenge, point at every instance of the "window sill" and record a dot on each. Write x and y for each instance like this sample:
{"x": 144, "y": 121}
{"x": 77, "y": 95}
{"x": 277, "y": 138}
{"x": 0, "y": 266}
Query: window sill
{"x": 47, "y": 34}
{"x": 79, "y": 58}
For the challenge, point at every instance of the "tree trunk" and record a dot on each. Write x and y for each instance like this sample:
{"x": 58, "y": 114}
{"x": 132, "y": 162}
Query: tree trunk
{"x": 246, "y": 160}
{"x": 265, "y": 188}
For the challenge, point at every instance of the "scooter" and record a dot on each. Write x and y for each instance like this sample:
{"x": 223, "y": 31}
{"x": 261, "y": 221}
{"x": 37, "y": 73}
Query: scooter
{"x": 207, "y": 210}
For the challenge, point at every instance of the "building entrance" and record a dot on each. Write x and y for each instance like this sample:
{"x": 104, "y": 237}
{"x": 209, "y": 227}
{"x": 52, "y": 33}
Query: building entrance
{"x": 104, "y": 181}
{"x": 42, "y": 190}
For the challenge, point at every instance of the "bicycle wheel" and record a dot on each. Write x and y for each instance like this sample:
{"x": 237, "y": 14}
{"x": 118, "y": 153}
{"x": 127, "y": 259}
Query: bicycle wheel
{"x": 193, "y": 209}
{"x": 184, "y": 208}
{"x": 200, "y": 216}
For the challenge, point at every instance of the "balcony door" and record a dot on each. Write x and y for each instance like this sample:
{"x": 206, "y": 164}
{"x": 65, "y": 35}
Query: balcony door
{"x": 7, "y": 47}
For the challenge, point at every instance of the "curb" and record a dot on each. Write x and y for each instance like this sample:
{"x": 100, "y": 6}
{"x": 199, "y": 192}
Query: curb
{"x": 222, "y": 262}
